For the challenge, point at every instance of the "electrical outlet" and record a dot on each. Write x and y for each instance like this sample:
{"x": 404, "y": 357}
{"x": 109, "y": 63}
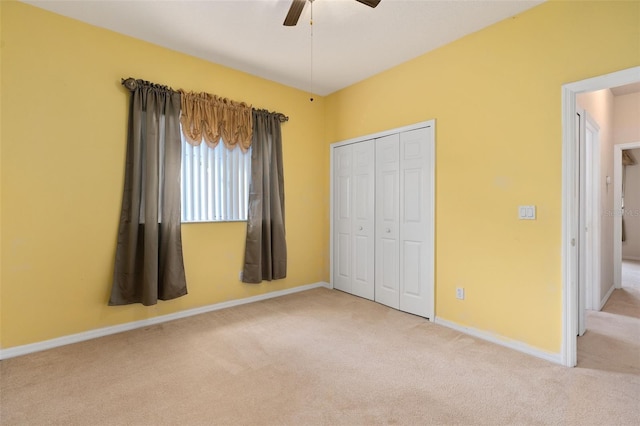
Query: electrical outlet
{"x": 460, "y": 293}
{"x": 240, "y": 276}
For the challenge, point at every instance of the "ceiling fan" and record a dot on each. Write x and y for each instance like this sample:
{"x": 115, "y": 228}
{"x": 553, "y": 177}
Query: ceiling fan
{"x": 297, "y": 5}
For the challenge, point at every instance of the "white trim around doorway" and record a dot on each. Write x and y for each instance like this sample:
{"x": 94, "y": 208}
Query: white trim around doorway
{"x": 569, "y": 350}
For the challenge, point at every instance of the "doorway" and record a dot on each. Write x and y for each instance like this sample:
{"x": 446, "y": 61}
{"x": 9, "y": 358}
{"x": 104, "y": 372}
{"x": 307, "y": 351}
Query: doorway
{"x": 618, "y": 209}
{"x": 571, "y": 213}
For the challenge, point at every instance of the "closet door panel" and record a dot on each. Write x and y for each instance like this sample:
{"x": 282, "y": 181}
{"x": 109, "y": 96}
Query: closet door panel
{"x": 412, "y": 268}
{"x": 415, "y": 212}
{"x": 387, "y": 196}
{"x": 342, "y": 261}
{"x": 363, "y": 231}
{"x": 361, "y": 264}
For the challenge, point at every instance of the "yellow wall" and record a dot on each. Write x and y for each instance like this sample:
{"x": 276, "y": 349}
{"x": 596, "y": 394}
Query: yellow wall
{"x": 1, "y": 102}
{"x": 496, "y": 98}
{"x": 63, "y": 149}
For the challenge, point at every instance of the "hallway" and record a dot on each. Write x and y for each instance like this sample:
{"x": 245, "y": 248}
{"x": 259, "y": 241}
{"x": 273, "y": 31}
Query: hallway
{"x": 612, "y": 339}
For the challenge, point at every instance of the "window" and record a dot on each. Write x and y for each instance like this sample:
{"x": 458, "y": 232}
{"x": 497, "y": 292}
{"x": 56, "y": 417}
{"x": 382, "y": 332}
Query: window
{"x": 214, "y": 183}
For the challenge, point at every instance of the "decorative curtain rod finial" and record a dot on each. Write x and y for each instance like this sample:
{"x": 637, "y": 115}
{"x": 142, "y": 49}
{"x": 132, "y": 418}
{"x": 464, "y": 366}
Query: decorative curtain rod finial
{"x": 129, "y": 83}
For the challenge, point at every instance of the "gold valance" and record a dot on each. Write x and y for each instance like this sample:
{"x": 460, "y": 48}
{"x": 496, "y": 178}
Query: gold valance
{"x": 209, "y": 117}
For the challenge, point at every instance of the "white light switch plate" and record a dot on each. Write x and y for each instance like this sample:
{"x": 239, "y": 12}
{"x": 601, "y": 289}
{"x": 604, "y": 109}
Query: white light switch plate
{"x": 527, "y": 212}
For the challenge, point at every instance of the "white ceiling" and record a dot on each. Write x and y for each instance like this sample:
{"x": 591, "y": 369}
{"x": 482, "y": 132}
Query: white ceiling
{"x": 350, "y": 40}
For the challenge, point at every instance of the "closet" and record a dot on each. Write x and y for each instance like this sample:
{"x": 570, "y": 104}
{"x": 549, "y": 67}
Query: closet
{"x": 382, "y": 234}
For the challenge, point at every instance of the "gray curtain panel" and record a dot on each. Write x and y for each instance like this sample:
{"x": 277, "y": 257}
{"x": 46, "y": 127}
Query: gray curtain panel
{"x": 265, "y": 255}
{"x": 149, "y": 263}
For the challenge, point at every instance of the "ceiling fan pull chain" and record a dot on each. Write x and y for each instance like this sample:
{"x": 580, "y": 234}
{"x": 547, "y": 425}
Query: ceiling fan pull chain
{"x": 311, "y": 60}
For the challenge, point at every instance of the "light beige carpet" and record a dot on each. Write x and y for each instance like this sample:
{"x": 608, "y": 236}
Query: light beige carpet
{"x": 320, "y": 357}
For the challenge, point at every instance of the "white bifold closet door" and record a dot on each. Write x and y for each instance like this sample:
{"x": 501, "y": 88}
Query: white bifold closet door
{"x": 353, "y": 215}
{"x": 404, "y": 253}
{"x": 387, "y": 281}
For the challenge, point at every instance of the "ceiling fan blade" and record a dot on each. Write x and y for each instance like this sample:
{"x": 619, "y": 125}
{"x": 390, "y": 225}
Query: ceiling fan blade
{"x": 370, "y": 3}
{"x": 294, "y": 13}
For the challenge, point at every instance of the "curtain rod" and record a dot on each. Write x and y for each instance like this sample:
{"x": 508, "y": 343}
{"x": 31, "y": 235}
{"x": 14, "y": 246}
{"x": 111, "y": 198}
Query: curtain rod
{"x": 132, "y": 83}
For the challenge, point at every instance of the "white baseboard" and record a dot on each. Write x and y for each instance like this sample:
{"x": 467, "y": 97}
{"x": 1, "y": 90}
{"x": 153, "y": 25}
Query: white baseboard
{"x": 502, "y": 341}
{"x": 105, "y": 331}
{"x": 606, "y": 297}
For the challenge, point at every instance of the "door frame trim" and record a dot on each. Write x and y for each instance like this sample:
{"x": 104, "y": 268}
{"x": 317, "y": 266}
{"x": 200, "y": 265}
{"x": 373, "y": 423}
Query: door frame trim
{"x": 430, "y": 124}
{"x": 569, "y": 346}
